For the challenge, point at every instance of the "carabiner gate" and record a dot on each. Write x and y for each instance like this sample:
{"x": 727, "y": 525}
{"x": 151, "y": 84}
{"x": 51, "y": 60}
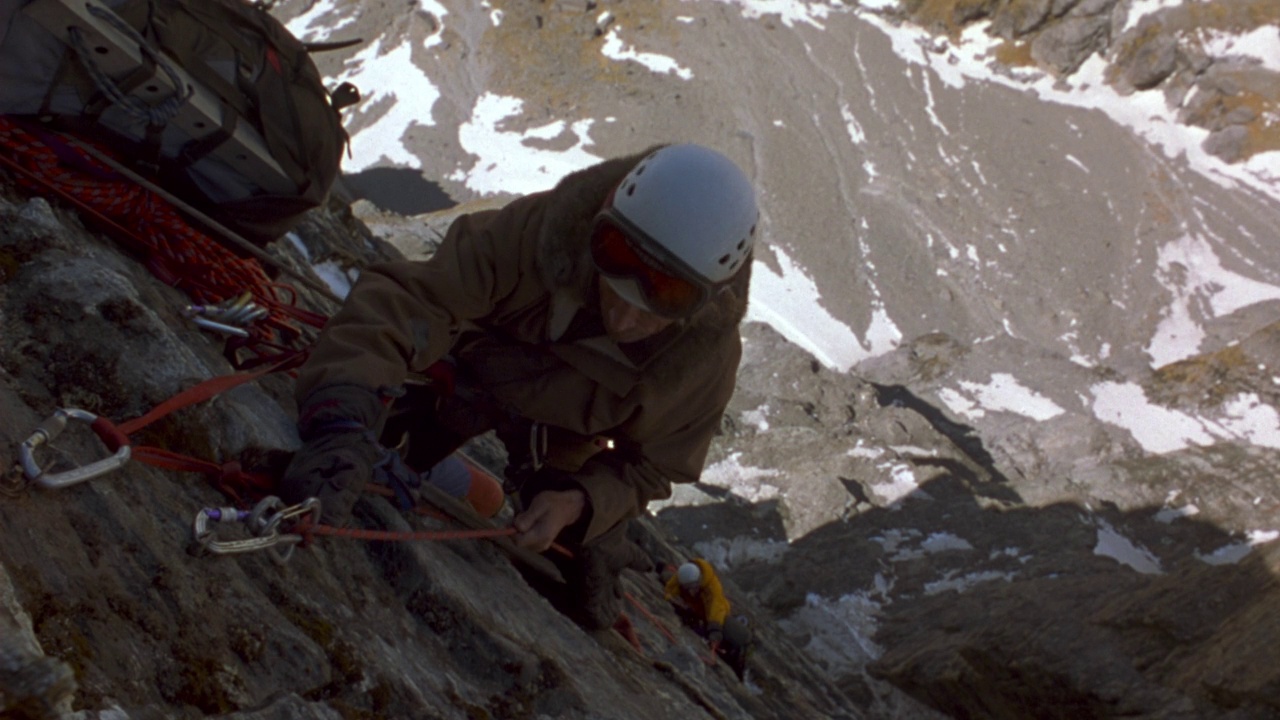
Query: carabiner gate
{"x": 45, "y": 434}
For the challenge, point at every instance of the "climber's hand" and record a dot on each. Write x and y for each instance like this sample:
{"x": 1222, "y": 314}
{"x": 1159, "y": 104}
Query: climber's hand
{"x": 550, "y": 512}
{"x": 339, "y": 450}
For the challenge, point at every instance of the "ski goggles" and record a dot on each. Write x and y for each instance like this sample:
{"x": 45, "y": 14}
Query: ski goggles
{"x": 622, "y": 251}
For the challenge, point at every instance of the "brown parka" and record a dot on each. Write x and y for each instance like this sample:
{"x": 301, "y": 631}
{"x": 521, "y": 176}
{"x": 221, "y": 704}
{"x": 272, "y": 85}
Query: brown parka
{"x": 516, "y": 278}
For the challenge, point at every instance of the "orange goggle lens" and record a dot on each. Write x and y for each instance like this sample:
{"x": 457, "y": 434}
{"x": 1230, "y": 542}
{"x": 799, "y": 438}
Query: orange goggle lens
{"x": 668, "y": 295}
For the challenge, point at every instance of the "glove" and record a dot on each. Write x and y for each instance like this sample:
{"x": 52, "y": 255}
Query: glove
{"x": 714, "y": 638}
{"x": 339, "y": 450}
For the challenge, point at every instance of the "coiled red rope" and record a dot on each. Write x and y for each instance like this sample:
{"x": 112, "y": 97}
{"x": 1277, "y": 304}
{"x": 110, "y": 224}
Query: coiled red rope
{"x": 174, "y": 251}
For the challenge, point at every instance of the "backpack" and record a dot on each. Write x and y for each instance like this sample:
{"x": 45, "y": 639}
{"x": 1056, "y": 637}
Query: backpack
{"x": 213, "y": 100}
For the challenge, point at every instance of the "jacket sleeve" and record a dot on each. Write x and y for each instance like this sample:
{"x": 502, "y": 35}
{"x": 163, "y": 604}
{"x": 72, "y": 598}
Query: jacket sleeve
{"x": 403, "y": 316}
{"x": 672, "y": 589}
{"x": 621, "y": 487}
{"x": 713, "y": 599}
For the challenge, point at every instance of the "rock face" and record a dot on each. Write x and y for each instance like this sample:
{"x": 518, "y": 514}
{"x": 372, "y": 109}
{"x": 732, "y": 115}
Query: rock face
{"x": 902, "y": 555}
{"x": 940, "y": 568}
{"x": 106, "y": 612}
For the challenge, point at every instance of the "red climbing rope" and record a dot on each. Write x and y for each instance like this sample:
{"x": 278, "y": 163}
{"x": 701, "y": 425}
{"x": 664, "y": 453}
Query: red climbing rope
{"x": 650, "y": 617}
{"x": 209, "y": 273}
{"x": 176, "y": 253}
{"x": 306, "y": 530}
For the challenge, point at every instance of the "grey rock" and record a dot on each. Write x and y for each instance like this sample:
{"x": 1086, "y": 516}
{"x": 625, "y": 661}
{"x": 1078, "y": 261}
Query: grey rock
{"x": 1058, "y": 8}
{"x": 1064, "y": 46}
{"x": 1090, "y": 8}
{"x": 1228, "y": 143}
{"x": 887, "y": 538}
{"x": 1152, "y": 62}
{"x": 1242, "y": 115}
{"x": 1016, "y": 19}
{"x": 32, "y": 685}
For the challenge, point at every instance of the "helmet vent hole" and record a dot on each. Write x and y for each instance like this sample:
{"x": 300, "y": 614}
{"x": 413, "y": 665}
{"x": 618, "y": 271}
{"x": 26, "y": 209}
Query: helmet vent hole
{"x": 724, "y": 259}
{"x": 742, "y": 243}
{"x": 631, "y": 189}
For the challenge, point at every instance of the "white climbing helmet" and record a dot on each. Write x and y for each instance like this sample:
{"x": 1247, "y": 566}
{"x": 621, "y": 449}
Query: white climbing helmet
{"x": 689, "y": 574}
{"x": 678, "y": 227}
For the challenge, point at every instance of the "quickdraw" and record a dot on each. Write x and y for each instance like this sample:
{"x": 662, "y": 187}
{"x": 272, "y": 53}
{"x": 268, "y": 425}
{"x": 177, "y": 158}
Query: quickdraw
{"x": 228, "y": 317}
{"x": 116, "y": 438}
{"x": 264, "y": 522}
{"x": 147, "y": 223}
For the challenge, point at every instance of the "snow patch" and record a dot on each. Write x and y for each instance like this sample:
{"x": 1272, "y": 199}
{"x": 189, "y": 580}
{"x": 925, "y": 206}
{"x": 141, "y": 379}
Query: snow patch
{"x": 1162, "y": 430}
{"x": 758, "y": 418}
{"x": 902, "y": 482}
{"x": 741, "y": 480}
{"x": 961, "y": 583}
{"x": 1168, "y": 515}
{"x": 316, "y": 25}
{"x": 944, "y": 542}
{"x": 1194, "y": 275}
{"x": 511, "y": 161}
{"x": 862, "y": 451}
{"x": 790, "y": 13}
{"x": 1235, "y": 552}
{"x": 779, "y": 297}
{"x": 840, "y": 631}
{"x": 1123, "y": 550}
{"x": 1002, "y": 394}
{"x": 338, "y": 278}
{"x": 615, "y": 49}
{"x": 1259, "y": 44}
{"x": 972, "y": 57}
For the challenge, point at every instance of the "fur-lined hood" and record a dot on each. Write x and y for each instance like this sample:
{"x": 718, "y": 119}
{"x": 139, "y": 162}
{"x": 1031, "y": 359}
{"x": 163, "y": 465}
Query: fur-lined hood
{"x": 564, "y": 257}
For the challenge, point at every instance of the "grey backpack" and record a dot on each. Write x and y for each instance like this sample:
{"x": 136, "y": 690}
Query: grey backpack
{"x": 214, "y": 100}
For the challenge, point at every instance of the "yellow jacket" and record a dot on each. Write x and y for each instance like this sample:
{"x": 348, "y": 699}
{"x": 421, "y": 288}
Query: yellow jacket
{"x": 709, "y": 602}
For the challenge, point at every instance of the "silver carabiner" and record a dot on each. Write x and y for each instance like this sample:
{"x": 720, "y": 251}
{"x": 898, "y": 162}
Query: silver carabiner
{"x": 227, "y": 316}
{"x": 45, "y": 434}
{"x": 264, "y": 523}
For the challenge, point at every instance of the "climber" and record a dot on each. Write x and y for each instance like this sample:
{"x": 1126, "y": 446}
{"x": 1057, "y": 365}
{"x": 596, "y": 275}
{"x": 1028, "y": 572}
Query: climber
{"x": 593, "y": 327}
{"x": 696, "y": 595}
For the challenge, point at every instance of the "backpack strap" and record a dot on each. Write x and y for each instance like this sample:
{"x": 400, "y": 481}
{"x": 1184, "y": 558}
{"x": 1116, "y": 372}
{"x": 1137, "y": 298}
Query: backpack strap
{"x": 196, "y": 150}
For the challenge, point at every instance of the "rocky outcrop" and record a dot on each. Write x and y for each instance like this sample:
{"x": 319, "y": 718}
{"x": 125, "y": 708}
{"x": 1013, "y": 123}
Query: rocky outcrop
{"x": 1001, "y": 568}
{"x": 1231, "y": 96}
{"x": 1093, "y": 643}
